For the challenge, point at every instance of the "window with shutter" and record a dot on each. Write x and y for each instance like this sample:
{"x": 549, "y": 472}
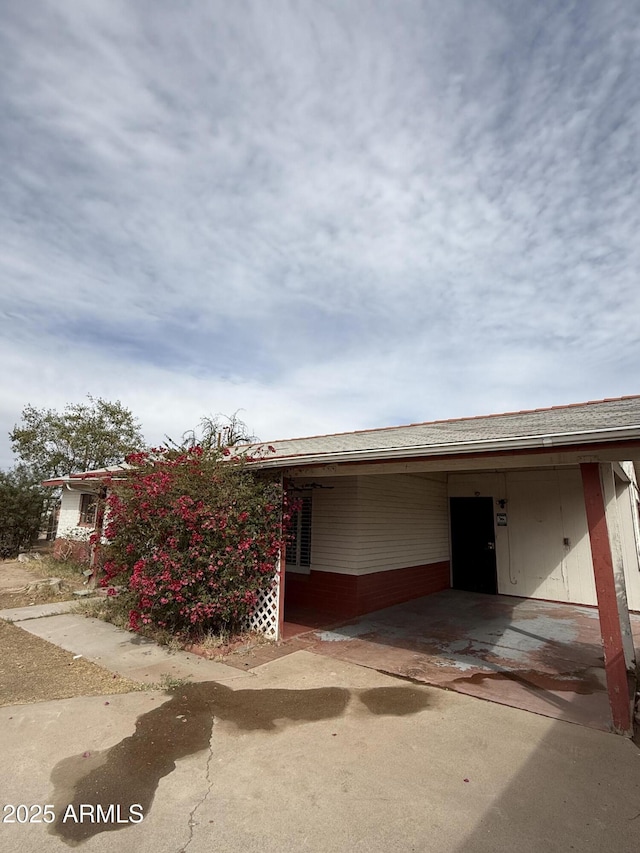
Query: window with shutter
{"x": 299, "y": 543}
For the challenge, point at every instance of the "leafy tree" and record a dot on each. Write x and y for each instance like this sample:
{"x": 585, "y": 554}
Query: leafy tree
{"x": 193, "y": 537}
{"x": 21, "y": 508}
{"x": 82, "y": 437}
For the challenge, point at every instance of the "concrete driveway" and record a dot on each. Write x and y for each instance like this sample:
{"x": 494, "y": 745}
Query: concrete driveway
{"x": 308, "y": 753}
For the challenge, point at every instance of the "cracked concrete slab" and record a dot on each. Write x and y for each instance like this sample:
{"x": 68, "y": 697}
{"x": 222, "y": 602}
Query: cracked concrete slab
{"x": 272, "y": 769}
{"x": 304, "y": 753}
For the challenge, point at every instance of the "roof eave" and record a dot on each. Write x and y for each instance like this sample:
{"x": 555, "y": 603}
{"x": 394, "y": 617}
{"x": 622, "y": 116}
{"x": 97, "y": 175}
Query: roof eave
{"x": 549, "y": 441}
{"x": 70, "y": 483}
{"x": 87, "y": 478}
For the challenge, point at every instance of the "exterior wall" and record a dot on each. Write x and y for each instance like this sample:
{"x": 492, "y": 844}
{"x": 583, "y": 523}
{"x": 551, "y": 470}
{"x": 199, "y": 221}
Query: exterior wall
{"x": 543, "y": 552}
{"x": 71, "y": 536}
{"x": 334, "y": 526}
{"x": 627, "y": 499}
{"x": 69, "y": 513}
{"x": 375, "y": 541}
{"x": 404, "y": 521}
{"x": 347, "y": 596}
{"x": 369, "y": 524}
{"x": 65, "y": 549}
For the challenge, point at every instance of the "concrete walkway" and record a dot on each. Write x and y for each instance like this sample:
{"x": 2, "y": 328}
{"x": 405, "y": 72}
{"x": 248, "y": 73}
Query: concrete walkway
{"x": 35, "y": 611}
{"x": 119, "y": 651}
{"x": 306, "y": 753}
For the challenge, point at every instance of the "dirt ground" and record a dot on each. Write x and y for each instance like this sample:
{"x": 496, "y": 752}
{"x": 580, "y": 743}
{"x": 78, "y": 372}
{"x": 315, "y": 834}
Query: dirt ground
{"x": 15, "y": 577}
{"x": 32, "y": 670}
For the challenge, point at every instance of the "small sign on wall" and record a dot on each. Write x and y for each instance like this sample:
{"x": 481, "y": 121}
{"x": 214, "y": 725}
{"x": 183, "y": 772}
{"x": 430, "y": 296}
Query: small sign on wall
{"x": 501, "y": 519}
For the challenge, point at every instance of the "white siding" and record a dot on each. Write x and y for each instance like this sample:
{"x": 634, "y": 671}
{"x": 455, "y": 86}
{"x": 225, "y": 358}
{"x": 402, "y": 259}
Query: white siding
{"x": 334, "y": 526}
{"x": 370, "y": 523}
{"x": 375, "y": 523}
{"x": 627, "y": 500}
{"x": 544, "y": 508}
{"x": 403, "y": 521}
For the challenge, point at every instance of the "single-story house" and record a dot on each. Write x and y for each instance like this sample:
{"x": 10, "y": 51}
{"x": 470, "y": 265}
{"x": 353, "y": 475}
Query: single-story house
{"x": 539, "y": 504}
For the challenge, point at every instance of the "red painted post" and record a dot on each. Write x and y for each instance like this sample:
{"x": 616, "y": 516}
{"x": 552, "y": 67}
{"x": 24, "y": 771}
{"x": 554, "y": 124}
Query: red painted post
{"x": 615, "y": 668}
{"x": 98, "y": 530}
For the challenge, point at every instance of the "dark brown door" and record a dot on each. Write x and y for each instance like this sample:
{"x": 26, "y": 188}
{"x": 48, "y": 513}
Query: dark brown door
{"x": 473, "y": 545}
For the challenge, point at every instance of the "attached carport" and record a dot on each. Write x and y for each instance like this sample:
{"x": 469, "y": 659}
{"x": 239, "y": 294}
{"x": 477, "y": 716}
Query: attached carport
{"x": 376, "y": 491}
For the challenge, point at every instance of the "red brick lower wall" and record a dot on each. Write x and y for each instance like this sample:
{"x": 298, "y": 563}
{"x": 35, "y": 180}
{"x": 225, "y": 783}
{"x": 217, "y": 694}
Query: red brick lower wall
{"x": 351, "y": 595}
{"x": 65, "y": 549}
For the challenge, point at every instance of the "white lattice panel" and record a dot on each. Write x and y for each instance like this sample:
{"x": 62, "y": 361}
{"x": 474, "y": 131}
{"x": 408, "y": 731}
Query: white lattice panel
{"x": 265, "y": 616}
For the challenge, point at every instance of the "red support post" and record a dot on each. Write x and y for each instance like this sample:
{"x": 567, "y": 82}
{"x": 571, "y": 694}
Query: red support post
{"x": 97, "y": 531}
{"x": 614, "y": 662}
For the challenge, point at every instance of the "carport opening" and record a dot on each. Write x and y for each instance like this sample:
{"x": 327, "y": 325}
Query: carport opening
{"x": 473, "y": 545}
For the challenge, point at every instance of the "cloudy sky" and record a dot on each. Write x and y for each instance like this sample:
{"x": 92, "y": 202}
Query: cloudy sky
{"x": 330, "y": 215}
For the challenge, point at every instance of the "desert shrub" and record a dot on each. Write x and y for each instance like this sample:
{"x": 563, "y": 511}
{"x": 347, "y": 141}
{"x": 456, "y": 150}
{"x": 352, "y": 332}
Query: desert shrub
{"x": 192, "y": 537}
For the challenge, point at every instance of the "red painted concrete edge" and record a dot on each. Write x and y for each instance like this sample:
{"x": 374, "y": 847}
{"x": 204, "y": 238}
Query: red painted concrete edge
{"x": 615, "y": 667}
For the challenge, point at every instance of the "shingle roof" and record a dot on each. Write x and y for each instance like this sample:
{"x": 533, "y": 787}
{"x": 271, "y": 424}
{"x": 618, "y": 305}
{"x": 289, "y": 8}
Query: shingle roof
{"x": 611, "y": 416}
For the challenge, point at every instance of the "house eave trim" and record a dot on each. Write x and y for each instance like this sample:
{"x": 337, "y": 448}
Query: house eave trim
{"x": 549, "y": 441}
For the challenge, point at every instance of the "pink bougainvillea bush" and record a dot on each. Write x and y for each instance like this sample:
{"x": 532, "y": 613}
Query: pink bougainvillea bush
{"x": 193, "y": 536}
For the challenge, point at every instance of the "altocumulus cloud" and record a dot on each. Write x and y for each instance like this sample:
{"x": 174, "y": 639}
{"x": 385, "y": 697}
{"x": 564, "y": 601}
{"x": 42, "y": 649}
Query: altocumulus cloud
{"x": 333, "y": 215}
